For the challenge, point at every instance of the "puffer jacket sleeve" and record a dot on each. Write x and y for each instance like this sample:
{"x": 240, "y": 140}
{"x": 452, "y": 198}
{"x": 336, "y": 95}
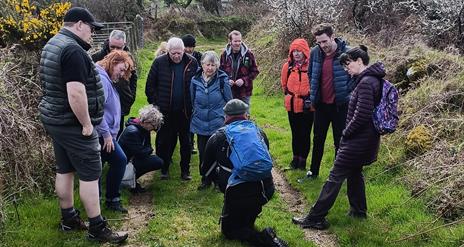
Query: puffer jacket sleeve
{"x": 363, "y": 109}
{"x": 132, "y": 142}
{"x": 151, "y": 84}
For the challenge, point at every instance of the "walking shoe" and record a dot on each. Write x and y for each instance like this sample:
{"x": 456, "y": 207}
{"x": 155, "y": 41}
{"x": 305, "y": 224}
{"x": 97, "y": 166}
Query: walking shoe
{"x": 194, "y": 151}
{"x": 307, "y": 222}
{"x": 203, "y": 186}
{"x": 74, "y": 223}
{"x": 115, "y": 206}
{"x": 294, "y": 165}
{"x": 138, "y": 189}
{"x": 164, "y": 176}
{"x": 271, "y": 238}
{"x": 358, "y": 215}
{"x": 186, "y": 177}
{"x": 102, "y": 233}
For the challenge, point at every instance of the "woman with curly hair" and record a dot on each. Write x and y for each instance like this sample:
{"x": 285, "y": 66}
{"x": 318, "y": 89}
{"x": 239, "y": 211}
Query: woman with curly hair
{"x": 114, "y": 66}
{"x": 135, "y": 141}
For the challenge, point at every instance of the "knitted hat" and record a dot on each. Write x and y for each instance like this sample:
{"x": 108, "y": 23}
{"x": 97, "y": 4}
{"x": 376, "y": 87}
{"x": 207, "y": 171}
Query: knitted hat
{"x": 235, "y": 107}
{"x": 80, "y": 14}
{"x": 189, "y": 40}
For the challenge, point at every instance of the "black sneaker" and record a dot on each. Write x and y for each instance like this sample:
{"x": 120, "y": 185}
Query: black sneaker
{"x": 203, "y": 186}
{"x": 164, "y": 176}
{"x": 186, "y": 177}
{"x": 115, "y": 206}
{"x": 194, "y": 151}
{"x": 102, "y": 233}
{"x": 271, "y": 238}
{"x": 357, "y": 215}
{"x": 74, "y": 223}
{"x": 307, "y": 222}
{"x": 138, "y": 189}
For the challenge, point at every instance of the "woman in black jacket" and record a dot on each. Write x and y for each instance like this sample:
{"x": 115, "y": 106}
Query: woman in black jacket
{"x": 359, "y": 144}
{"x": 135, "y": 141}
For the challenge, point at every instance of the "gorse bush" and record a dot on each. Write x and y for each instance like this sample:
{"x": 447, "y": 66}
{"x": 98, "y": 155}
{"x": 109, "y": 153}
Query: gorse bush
{"x": 31, "y": 25}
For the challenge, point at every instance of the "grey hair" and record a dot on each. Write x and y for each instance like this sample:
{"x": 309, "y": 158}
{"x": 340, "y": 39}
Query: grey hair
{"x": 118, "y": 34}
{"x": 175, "y": 42}
{"x": 210, "y": 57}
{"x": 151, "y": 114}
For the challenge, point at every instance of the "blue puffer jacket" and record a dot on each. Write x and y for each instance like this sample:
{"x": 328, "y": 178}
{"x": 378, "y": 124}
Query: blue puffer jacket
{"x": 207, "y": 102}
{"x": 342, "y": 81}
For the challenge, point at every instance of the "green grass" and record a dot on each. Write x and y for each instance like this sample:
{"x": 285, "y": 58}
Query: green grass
{"x": 186, "y": 217}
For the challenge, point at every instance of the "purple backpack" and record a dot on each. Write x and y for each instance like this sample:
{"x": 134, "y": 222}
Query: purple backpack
{"x": 385, "y": 115}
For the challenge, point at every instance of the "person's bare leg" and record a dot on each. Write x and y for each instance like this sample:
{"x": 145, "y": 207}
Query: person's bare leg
{"x": 88, "y": 192}
{"x": 64, "y": 184}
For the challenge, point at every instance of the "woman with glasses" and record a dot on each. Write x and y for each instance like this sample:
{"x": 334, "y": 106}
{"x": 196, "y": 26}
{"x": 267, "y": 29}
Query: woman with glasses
{"x": 135, "y": 141}
{"x": 114, "y": 66}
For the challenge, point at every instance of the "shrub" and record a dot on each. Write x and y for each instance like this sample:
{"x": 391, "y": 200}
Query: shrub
{"x": 31, "y": 25}
{"x": 419, "y": 140}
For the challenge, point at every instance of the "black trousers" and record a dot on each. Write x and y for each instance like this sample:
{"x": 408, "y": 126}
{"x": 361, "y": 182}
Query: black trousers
{"x": 201, "y": 143}
{"x": 121, "y": 126}
{"x": 242, "y": 205}
{"x": 176, "y": 125}
{"x": 325, "y": 115}
{"x": 355, "y": 189}
{"x": 301, "y": 125}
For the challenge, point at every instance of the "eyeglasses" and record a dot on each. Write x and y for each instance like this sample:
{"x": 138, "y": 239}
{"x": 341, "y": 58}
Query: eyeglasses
{"x": 92, "y": 28}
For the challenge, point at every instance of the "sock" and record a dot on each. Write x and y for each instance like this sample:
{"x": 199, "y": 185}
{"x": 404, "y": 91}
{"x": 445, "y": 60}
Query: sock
{"x": 67, "y": 213}
{"x": 95, "y": 220}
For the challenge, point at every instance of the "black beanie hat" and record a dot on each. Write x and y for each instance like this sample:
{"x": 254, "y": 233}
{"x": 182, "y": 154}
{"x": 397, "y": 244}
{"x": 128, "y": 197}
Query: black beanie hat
{"x": 189, "y": 40}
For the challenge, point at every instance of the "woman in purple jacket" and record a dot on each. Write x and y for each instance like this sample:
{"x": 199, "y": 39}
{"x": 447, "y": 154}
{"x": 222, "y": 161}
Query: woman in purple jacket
{"x": 359, "y": 144}
{"x": 114, "y": 66}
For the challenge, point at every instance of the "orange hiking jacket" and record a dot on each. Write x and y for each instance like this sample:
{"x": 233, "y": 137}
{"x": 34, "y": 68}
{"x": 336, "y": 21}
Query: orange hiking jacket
{"x": 294, "y": 79}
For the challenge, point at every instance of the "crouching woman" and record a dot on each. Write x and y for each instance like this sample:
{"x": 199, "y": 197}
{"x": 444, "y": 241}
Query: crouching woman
{"x": 135, "y": 141}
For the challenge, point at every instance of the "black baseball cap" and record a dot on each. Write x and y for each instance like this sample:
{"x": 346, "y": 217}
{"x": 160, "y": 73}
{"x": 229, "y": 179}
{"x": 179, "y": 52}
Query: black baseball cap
{"x": 76, "y": 14}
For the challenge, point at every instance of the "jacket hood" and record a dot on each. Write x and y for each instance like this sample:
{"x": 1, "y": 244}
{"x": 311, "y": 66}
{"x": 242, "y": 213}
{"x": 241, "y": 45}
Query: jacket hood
{"x": 376, "y": 70}
{"x": 243, "y": 49}
{"x": 197, "y": 76}
{"x": 341, "y": 44}
{"x": 132, "y": 121}
{"x": 298, "y": 44}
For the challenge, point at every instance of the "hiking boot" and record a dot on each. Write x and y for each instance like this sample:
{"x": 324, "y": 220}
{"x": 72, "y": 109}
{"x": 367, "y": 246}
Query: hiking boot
{"x": 294, "y": 165}
{"x": 164, "y": 176}
{"x": 203, "y": 186}
{"x": 74, "y": 223}
{"x": 271, "y": 238}
{"x": 115, "y": 206}
{"x": 357, "y": 215}
{"x": 102, "y": 233}
{"x": 138, "y": 189}
{"x": 307, "y": 222}
{"x": 186, "y": 177}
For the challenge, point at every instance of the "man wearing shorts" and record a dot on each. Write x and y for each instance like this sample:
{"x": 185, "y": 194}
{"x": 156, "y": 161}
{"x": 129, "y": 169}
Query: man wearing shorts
{"x": 71, "y": 105}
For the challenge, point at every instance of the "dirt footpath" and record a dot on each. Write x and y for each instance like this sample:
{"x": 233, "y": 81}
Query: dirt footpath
{"x": 297, "y": 207}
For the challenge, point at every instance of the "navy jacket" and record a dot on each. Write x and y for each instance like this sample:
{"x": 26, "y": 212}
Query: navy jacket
{"x": 341, "y": 79}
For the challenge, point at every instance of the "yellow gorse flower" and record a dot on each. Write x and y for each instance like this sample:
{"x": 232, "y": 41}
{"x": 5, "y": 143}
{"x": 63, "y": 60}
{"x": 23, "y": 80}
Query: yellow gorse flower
{"x": 32, "y": 26}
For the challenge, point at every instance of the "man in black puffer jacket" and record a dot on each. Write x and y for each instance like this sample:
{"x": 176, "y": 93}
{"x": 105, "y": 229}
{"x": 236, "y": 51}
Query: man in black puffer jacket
{"x": 126, "y": 89}
{"x": 243, "y": 201}
{"x": 168, "y": 87}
